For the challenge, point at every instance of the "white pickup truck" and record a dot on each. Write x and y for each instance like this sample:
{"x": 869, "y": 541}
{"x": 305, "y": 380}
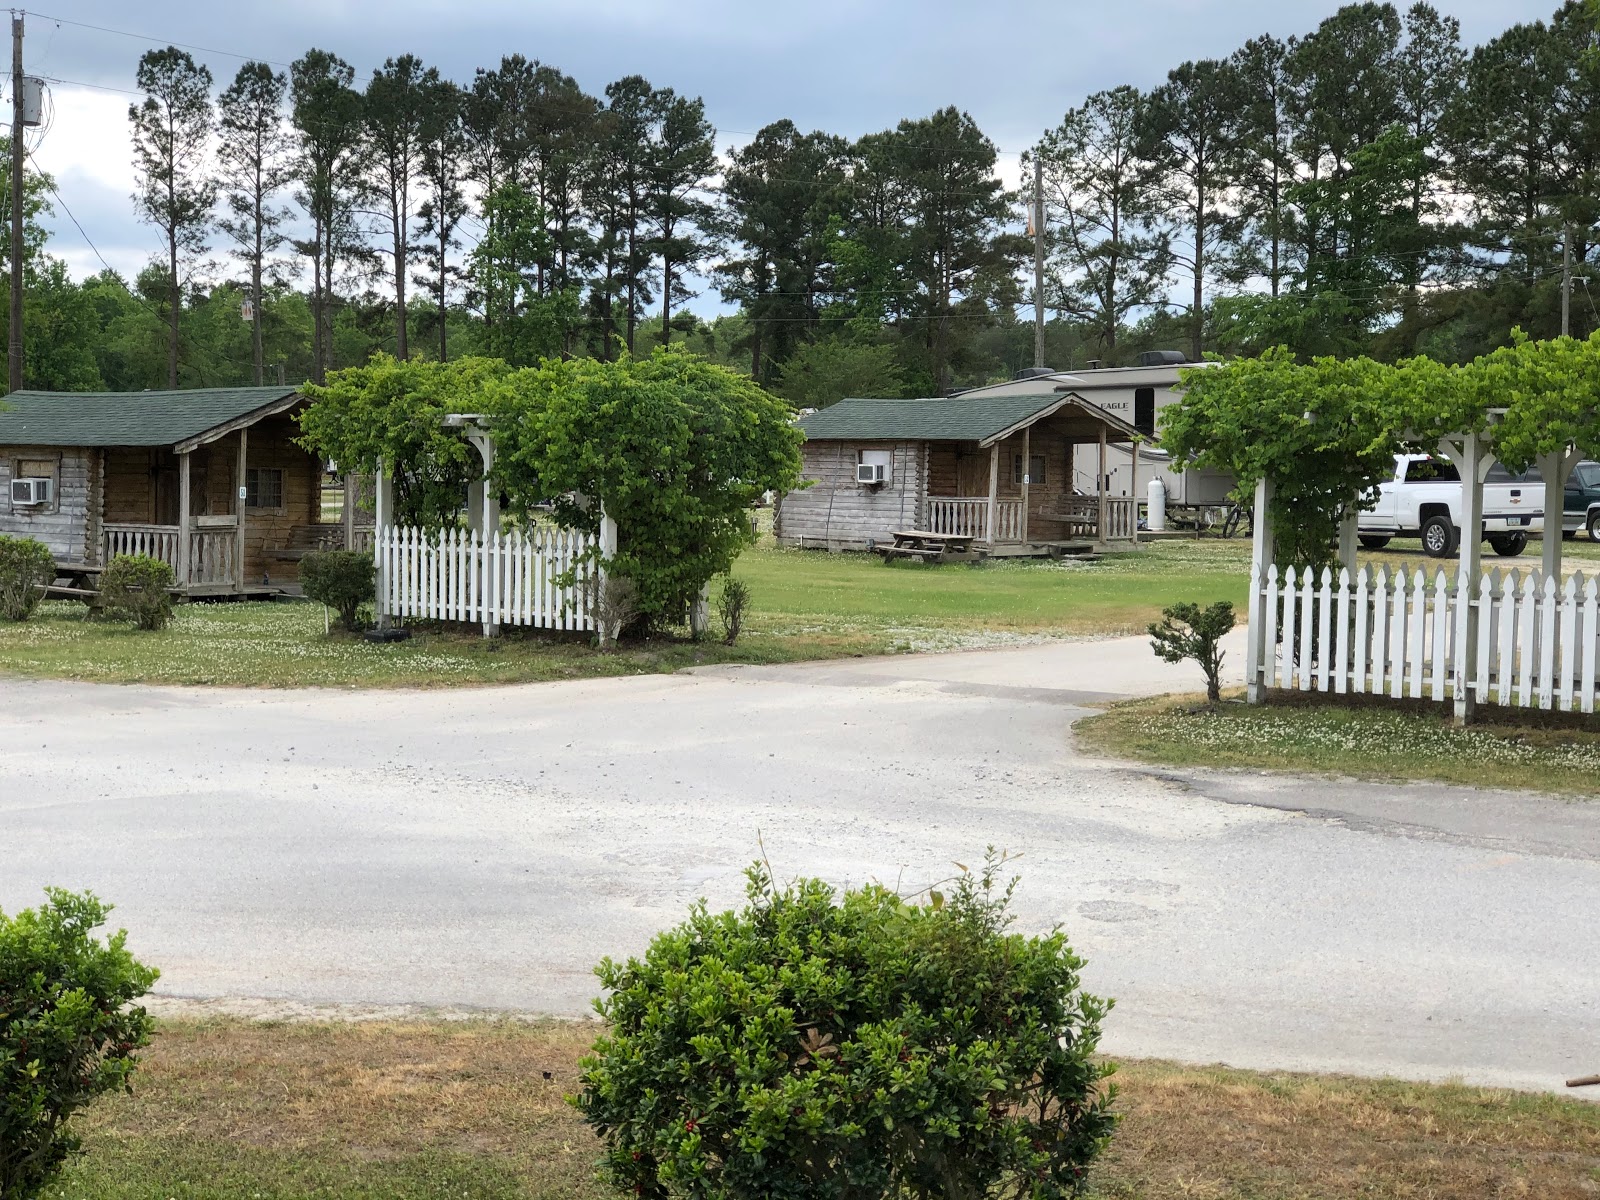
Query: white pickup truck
{"x": 1423, "y": 500}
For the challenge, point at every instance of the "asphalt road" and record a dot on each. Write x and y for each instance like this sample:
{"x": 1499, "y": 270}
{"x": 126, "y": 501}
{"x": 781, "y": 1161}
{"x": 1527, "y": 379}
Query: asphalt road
{"x": 486, "y": 847}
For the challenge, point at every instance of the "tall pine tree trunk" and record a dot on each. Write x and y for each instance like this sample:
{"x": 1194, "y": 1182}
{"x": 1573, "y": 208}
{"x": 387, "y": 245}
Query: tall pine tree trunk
{"x": 1199, "y": 315}
{"x": 401, "y": 350}
{"x": 176, "y": 298}
{"x": 444, "y": 333}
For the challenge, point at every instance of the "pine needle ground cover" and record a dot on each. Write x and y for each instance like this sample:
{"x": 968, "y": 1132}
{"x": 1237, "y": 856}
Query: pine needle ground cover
{"x": 803, "y": 605}
{"x": 1377, "y": 738}
{"x": 477, "y": 1109}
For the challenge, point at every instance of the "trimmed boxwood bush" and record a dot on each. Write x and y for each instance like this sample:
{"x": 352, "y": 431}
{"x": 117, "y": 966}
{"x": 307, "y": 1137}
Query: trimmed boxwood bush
{"x": 341, "y": 579}
{"x": 825, "y": 1046}
{"x": 25, "y": 565}
{"x": 68, "y": 1031}
{"x": 134, "y": 588}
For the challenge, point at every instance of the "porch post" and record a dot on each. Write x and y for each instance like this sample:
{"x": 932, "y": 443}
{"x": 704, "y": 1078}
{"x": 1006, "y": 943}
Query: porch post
{"x": 1472, "y": 465}
{"x": 994, "y": 487}
{"x": 1133, "y": 489}
{"x": 1100, "y": 490}
{"x": 1027, "y": 476}
{"x": 1258, "y": 655}
{"x": 183, "y": 520}
{"x": 238, "y": 508}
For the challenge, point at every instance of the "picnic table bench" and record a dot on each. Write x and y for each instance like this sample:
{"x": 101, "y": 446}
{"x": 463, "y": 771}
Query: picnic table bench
{"x": 926, "y": 546}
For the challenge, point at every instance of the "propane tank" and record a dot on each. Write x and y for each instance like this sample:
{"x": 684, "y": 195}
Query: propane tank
{"x": 1157, "y": 518}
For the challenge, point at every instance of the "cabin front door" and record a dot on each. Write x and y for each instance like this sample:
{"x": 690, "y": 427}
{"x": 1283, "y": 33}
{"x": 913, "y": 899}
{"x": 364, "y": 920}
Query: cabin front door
{"x": 167, "y": 489}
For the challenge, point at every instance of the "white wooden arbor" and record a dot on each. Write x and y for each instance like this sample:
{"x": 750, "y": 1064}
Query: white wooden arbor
{"x": 1529, "y": 640}
{"x": 546, "y": 578}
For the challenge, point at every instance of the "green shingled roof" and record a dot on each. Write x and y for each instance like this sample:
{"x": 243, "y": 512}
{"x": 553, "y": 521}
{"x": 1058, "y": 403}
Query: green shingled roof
{"x": 953, "y": 419}
{"x": 126, "y": 418}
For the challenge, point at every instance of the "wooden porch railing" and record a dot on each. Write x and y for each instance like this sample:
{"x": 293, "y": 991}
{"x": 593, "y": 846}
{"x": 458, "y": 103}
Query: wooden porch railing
{"x": 1122, "y": 519}
{"x": 213, "y": 554}
{"x": 968, "y": 516}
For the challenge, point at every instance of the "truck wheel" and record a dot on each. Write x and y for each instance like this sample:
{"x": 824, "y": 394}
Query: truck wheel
{"x": 1594, "y": 526}
{"x": 1439, "y": 537}
{"x": 1509, "y": 545}
{"x": 1373, "y": 541}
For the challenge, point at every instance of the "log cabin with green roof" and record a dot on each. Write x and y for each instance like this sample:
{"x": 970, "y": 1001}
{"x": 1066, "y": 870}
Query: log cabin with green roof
{"x": 999, "y": 470}
{"x": 210, "y": 480}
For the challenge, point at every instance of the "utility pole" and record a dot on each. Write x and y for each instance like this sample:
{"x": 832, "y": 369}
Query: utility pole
{"x": 14, "y": 348}
{"x": 1566, "y": 282}
{"x": 1038, "y": 261}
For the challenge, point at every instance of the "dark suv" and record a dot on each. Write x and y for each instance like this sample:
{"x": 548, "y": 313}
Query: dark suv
{"x": 1580, "y": 504}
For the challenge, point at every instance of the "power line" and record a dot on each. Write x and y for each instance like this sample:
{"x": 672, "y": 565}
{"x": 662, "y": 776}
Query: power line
{"x": 139, "y": 37}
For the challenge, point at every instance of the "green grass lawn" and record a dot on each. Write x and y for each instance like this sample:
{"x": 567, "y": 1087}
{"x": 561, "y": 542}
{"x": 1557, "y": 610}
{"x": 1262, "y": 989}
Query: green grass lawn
{"x": 805, "y": 605}
{"x": 1362, "y": 738}
{"x": 477, "y": 1110}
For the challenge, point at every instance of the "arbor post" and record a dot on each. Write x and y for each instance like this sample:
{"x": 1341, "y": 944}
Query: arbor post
{"x": 1258, "y": 655}
{"x": 608, "y": 551}
{"x": 383, "y": 523}
{"x": 1348, "y": 539}
{"x": 1554, "y": 470}
{"x": 1472, "y": 463}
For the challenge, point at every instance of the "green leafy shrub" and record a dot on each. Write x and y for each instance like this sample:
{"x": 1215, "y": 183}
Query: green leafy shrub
{"x": 818, "y": 1045}
{"x": 67, "y": 1033}
{"x": 731, "y": 603}
{"x": 134, "y": 588}
{"x": 341, "y": 579}
{"x": 1189, "y": 631}
{"x": 25, "y": 565}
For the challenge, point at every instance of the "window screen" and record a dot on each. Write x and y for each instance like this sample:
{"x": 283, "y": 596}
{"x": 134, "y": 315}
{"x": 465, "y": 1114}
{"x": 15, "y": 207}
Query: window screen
{"x": 1035, "y": 470}
{"x": 263, "y": 487}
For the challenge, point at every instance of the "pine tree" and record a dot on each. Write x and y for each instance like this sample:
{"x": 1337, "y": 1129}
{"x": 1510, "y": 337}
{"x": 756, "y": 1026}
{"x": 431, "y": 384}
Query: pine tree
{"x": 254, "y": 155}
{"x": 444, "y": 204}
{"x": 171, "y": 135}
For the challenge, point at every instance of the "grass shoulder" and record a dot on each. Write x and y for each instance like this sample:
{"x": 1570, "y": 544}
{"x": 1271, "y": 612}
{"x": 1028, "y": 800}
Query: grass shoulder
{"x": 227, "y": 1108}
{"x": 1363, "y": 738}
{"x": 804, "y": 605}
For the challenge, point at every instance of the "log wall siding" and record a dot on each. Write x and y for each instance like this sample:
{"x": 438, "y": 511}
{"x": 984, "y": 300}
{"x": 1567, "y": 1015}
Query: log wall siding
{"x": 271, "y": 446}
{"x": 837, "y": 513}
{"x": 63, "y": 526}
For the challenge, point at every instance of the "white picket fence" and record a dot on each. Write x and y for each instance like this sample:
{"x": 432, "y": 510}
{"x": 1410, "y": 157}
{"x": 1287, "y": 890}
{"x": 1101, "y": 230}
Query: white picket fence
{"x": 1375, "y": 633}
{"x": 502, "y": 579}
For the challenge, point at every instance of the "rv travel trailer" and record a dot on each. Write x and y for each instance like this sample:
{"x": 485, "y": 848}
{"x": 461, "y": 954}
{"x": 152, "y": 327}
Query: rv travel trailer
{"x": 1137, "y": 395}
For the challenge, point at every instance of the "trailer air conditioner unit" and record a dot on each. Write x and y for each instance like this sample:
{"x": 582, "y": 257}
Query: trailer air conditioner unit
{"x": 871, "y": 472}
{"x": 30, "y": 491}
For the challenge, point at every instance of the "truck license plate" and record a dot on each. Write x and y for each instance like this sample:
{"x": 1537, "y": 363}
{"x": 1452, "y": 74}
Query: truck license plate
{"x": 1517, "y": 520}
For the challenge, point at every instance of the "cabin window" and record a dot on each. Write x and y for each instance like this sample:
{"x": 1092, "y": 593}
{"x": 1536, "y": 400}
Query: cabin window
{"x": 882, "y": 460}
{"x": 1035, "y": 470}
{"x": 40, "y": 468}
{"x": 263, "y": 487}
{"x": 1144, "y": 411}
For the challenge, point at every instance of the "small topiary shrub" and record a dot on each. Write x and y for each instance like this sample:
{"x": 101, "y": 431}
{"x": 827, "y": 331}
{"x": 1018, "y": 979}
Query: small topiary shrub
{"x": 1189, "y": 631}
{"x": 25, "y": 567}
{"x": 341, "y": 579}
{"x": 731, "y": 603}
{"x": 824, "y": 1046}
{"x": 67, "y": 1033}
{"x": 134, "y": 588}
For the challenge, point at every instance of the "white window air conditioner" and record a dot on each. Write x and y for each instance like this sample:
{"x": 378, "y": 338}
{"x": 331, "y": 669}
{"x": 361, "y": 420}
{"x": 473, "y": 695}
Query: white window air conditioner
{"x": 871, "y": 472}
{"x": 31, "y": 491}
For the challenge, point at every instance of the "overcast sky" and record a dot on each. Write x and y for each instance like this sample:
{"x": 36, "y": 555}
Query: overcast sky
{"x": 845, "y": 66}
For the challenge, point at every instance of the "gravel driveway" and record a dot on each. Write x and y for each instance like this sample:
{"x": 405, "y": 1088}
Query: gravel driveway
{"x": 483, "y": 848}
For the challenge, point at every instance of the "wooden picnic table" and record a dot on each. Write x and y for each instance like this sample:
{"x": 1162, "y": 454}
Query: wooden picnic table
{"x": 926, "y": 545}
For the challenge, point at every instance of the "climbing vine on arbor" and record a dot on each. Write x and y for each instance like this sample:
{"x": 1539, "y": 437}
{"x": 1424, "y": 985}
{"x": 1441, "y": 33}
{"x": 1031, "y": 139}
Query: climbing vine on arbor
{"x": 675, "y": 448}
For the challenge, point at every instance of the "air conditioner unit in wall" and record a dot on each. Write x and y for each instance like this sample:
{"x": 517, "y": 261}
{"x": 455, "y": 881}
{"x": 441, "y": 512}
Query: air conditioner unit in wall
{"x": 31, "y": 491}
{"x": 871, "y": 472}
